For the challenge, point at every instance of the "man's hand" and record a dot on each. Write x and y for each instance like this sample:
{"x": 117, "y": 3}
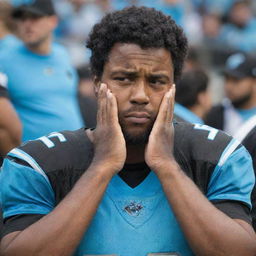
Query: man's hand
{"x": 108, "y": 139}
{"x": 159, "y": 150}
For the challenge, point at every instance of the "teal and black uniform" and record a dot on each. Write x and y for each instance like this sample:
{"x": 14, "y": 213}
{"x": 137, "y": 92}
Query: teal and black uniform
{"x": 134, "y": 216}
{"x": 184, "y": 114}
{"x": 43, "y": 90}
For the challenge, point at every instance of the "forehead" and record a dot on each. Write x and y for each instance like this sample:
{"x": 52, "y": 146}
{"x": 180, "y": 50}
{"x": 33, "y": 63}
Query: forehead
{"x": 132, "y": 56}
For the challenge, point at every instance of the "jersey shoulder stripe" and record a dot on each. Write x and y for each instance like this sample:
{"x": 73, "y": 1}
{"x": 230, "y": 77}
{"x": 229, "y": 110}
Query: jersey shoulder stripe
{"x": 56, "y": 151}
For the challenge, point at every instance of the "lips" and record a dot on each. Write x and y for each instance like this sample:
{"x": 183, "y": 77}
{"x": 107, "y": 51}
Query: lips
{"x": 138, "y": 117}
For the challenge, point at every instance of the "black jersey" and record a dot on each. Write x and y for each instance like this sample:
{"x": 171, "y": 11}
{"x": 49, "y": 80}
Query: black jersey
{"x": 216, "y": 162}
{"x": 250, "y": 143}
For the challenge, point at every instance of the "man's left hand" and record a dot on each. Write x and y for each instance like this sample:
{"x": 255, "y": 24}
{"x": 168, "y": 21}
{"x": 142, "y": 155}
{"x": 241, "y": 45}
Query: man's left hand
{"x": 159, "y": 150}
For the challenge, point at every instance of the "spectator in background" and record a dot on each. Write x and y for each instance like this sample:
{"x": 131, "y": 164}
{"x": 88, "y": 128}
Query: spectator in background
{"x": 239, "y": 33}
{"x": 76, "y": 20}
{"x": 173, "y": 8}
{"x": 10, "y": 126}
{"x": 240, "y": 89}
{"x": 192, "y": 98}
{"x": 42, "y": 84}
{"x": 86, "y": 96}
{"x": 7, "y": 26}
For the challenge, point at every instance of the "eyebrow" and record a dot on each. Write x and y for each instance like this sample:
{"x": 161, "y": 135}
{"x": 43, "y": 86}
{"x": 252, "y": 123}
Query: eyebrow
{"x": 156, "y": 75}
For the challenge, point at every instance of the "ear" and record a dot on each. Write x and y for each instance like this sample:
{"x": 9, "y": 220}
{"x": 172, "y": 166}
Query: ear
{"x": 53, "y": 21}
{"x": 200, "y": 98}
{"x": 96, "y": 83}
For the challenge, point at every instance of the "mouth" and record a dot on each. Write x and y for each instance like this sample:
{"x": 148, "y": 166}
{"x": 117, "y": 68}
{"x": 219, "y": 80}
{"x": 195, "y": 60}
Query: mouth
{"x": 138, "y": 117}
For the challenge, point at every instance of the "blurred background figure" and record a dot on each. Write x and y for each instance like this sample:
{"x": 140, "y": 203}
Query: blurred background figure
{"x": 240, "y": 88}
{"x": 42, "y": 83}
{"x": 77, "y": 17}
{"x": 239, "y": 32}
{"x": 10, "y": 125}
{"x": 7, "y": 26}
{"x": 86, "y": 96}
{"x": 192, "y": 98}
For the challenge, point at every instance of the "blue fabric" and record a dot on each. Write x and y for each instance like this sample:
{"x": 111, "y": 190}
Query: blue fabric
{"x": 8, "y": 42}
{"x": 24, "y": 191}
{"x": 186, "y": 114}
{"x": 176, "y": 11}
{"x": 233, "y": 179}
{"x": 152, "y": 228}
{"x": 240, "y": 39}
{"x": 43, "y": 90}
{"x": 247, "y": 113}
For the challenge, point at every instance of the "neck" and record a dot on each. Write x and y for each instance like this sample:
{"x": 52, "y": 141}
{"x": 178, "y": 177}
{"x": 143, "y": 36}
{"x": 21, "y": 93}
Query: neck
{"x": 197, "y": 110}
{"x": 250, "y": 104}
{"x": 42, "y": 48}
{"x": 135, "y": 154}
{"x": 3, "y": 31}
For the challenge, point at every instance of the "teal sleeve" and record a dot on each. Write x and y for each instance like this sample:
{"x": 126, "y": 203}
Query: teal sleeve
{"x": 234, "y": 179}
{"x": 23, "y": 190}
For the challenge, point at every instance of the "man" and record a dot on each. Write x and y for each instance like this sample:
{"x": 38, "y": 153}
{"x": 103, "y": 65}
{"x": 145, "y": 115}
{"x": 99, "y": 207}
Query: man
{"x": 7, "y": 27}
{"x": 126, "y": 188}
{"x": 240, "y": 88}
{"x": 42, "y": 84}
{"x": 86, "y": 96}
{"x": 193, "y": 99}
{"x": 10, "y": 126}
{"x": 249, "y": 143}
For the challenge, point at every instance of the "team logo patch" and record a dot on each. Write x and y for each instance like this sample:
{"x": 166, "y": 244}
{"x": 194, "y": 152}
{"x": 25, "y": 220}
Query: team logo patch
{"x": 134, "y": 209}
{"x": 137, "y": 212}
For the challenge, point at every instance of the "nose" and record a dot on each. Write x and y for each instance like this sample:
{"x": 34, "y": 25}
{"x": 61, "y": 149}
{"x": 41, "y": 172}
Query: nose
{"x": 139, "y": 93}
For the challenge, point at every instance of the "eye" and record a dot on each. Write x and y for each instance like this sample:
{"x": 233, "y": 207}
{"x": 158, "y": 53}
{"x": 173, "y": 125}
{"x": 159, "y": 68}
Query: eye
{"x": 123, "y": 80}
{"x": 120, "y": 78}
{"x": 157, "y": 81}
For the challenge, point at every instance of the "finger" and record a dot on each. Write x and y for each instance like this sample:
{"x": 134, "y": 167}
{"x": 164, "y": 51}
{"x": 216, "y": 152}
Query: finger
{"x": 170, "y": 110}
{"x": 163, "y": 109}
{"x": 112, "y": 109}
{"x": 102, "y": 101}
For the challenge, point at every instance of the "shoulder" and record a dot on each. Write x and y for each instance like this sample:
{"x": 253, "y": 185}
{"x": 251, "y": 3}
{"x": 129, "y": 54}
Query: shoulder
{"x": 250, "y": 141}
{"x": 16, "y": 49}
{"x": 215, "y": 117}
{"x": 57, "y": 151}
{"x": 202, "y": 143}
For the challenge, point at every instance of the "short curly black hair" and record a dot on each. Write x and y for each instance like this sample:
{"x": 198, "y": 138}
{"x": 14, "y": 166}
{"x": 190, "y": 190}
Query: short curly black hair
{"x": 143, "y": 26}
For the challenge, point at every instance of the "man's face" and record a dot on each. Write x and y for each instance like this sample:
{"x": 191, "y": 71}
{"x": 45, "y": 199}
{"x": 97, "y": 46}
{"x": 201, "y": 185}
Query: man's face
{"x": 138, "y": 78}
{"x": 239, "y": 91}
{"x": 34, "y": 30}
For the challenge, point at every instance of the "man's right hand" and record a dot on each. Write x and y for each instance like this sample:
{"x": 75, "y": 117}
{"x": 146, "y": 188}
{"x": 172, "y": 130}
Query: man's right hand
{"x": 108, "y": 139}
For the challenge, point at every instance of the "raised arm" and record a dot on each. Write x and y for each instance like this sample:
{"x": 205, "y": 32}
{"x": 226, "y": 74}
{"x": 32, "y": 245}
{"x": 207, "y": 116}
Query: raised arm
{"x": 60, "y": 231}
{"x": 208, "y": 230}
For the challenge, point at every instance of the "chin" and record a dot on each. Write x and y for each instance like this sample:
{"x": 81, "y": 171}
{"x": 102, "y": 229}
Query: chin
{"x": 136, "y": 135}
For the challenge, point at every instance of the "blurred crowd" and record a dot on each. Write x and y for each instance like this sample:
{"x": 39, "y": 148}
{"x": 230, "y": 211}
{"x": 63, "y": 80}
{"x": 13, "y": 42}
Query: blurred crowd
{"x": 45, "y": 87}
{"x": 216, "y": 30}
